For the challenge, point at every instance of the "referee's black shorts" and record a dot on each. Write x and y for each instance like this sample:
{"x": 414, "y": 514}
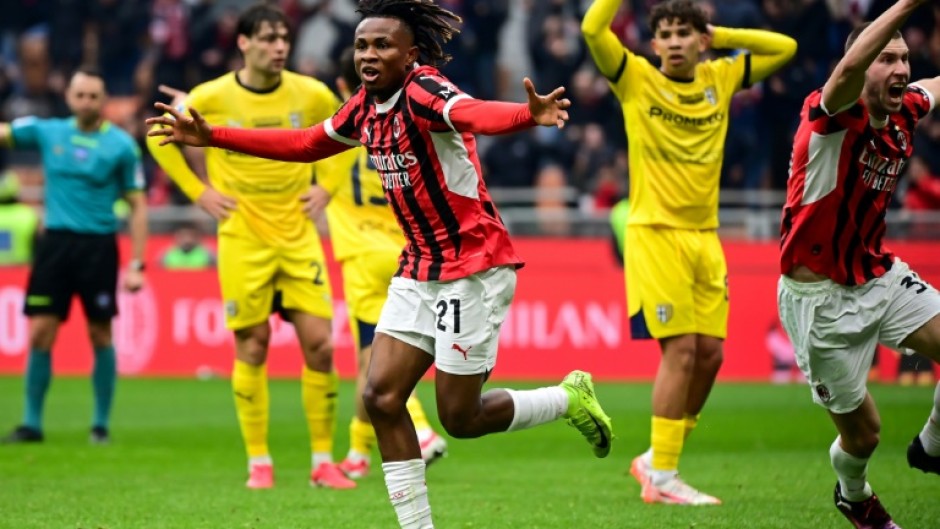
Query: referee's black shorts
{"x": 68, "y": 263}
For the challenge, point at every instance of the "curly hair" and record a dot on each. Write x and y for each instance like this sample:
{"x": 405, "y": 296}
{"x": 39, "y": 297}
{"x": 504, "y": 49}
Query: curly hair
{"x": 432, "y": 25}
{"x": 682, "y": 11}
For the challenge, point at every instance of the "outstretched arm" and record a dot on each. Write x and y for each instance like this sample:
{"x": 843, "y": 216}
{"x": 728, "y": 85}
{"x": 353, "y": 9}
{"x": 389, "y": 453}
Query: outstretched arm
{"x": 498, "y": 117}
{"x": 608, "y": 52}
{"x": 848, "y": 78}
{"x": 289, "y": 145}
{"x": 769, "y": 50}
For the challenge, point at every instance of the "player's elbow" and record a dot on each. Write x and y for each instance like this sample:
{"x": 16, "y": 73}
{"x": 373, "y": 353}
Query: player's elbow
{"x": 788, "y": 49}
{"x": 590, "y": 29}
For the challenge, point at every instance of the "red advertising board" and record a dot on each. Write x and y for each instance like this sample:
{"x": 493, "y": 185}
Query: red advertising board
{"x": 569, "y": 312}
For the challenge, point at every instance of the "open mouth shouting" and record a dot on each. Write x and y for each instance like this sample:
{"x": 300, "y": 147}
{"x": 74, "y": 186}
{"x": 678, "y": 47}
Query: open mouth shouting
{"x": 369, "y": 74}
{"x": 896, "y": 92}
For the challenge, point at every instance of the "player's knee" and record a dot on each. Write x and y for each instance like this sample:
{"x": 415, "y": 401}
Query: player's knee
{"x": 41, "y": 337}
{"x": 459, "y": 423}
{"x": 710, "y": 358}
{"x": 251, "y": 344}
{"x": 99, "y": 334}
{"x": 680, "y": 357}
{"x": 318, "y": 354}
{"x": 382, "y": 404}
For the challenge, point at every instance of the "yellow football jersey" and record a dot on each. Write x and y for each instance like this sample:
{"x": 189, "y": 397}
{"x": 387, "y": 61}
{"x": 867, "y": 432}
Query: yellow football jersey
{"x": 267, "y": 192}
{"x": 359, "y": 216}
{"x": 676, "y": 135}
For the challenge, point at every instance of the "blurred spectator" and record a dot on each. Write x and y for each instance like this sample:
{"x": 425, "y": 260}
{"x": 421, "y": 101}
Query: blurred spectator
{"x": 188, "y": 251}
{"x": 512, "y": 160}
{"x": 923, "y": 192}
{"x": 18, "y": 224}
{"x": 483, "y": 21}
{"x": 782, "y": 355}
{"x": 550, "y": 204}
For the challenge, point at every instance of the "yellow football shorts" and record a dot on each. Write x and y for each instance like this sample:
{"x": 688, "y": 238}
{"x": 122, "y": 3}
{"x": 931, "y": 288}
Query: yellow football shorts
{"x": 256, "y": 279}
{"x": 677, "y": 282}
{"x": 365, "y": 285}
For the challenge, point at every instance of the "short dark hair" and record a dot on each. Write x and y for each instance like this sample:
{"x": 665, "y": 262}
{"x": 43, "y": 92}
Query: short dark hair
{"x": 853, "y": 36}
{"x": 432, "y": 25}
{"x": 90, "y": 70}
{"x": 249, "y": 22}
{"x": 682, "y": 11}
{"x": 347, "y": 68}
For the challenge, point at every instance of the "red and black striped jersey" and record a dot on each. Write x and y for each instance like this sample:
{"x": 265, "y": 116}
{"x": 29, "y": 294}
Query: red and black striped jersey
{"x": 431, "y": 175}
{"x": 843, "y": 172}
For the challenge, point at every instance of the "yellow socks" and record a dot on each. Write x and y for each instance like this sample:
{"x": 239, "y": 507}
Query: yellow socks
{"x": 319, "y": 397}
{"x": 250, "y": 388}
{"x": 691, "y": 421}
{"x": 416, "y": 411}
{"x": 666, "y": 440}
{"x": 361, "y": 437}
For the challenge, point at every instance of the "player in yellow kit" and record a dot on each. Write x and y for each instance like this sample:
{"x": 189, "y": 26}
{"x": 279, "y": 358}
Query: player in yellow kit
{"x": 676, "y": 117}
{"x": 367, "y": 241}
{"x": 270, "y": 257}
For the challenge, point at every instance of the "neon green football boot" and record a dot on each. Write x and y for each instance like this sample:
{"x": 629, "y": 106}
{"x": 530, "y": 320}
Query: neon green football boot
{"x": 585, "y": 412}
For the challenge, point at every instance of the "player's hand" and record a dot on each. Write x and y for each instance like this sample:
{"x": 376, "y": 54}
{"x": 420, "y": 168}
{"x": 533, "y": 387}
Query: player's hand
{"x": 179, "y": 128}
{"x": 314, "y": 201}
{"x": 133, "y": 280}
{"x": 548, "y": 110}
{"x": 179, "y": 96}
{"x": 217, "y": 205}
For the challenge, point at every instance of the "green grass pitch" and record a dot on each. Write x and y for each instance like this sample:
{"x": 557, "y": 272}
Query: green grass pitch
{"x": 177, "y": 462}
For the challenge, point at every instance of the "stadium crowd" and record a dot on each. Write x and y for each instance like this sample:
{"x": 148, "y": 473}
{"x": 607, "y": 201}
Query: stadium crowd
{"x": 139, "y": 44}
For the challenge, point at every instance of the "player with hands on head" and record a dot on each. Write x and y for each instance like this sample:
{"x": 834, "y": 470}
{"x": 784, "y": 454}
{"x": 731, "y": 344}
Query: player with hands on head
{"x": 676, "y": 117}
{"x": 457, "y": 273}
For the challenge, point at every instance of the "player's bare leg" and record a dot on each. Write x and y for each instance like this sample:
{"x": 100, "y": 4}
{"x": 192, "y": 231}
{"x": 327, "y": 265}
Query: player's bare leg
{"x": 362, "y": 435}
{"x": 394, "y": 371}
{"x": 43, "y": 329}
{"x": 657, "y": 471}
{"x": 709, "y": 355}
{"x": 319, "y": 389}
{"x": 252, "y": 404}
{"x": 859, "y": 434}
{"x": 924, "y": 451}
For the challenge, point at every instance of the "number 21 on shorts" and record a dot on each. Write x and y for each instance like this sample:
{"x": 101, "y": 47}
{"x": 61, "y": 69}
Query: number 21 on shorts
{"x": 451, "y": 306}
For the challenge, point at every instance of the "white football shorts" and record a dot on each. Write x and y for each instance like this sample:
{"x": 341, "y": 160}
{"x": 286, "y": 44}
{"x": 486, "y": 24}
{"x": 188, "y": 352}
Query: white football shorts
{"x": 835, "y": 329}
{"x": 457, "y": 322}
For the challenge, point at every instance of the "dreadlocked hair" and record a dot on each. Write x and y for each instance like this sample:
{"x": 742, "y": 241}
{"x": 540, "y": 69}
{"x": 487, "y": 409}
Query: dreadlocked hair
{"x": 432, "y": 25}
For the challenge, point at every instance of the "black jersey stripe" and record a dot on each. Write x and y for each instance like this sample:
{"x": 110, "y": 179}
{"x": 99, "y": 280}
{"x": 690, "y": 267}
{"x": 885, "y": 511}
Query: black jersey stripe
{"x": 435, "y": 193}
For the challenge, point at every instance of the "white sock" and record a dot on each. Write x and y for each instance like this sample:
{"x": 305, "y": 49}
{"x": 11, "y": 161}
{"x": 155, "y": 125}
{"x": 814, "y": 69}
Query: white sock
{"x": 852, "y": 472}
{"x": 930, "y": 435}
{"x": 319, "y": 458}
{"x": 537, "y": 406}
{"x": 661, "y": 477}
{"x": 648, "y": 457}
{"x": 260, "y": 460}
{"x": 408, "y": 493}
